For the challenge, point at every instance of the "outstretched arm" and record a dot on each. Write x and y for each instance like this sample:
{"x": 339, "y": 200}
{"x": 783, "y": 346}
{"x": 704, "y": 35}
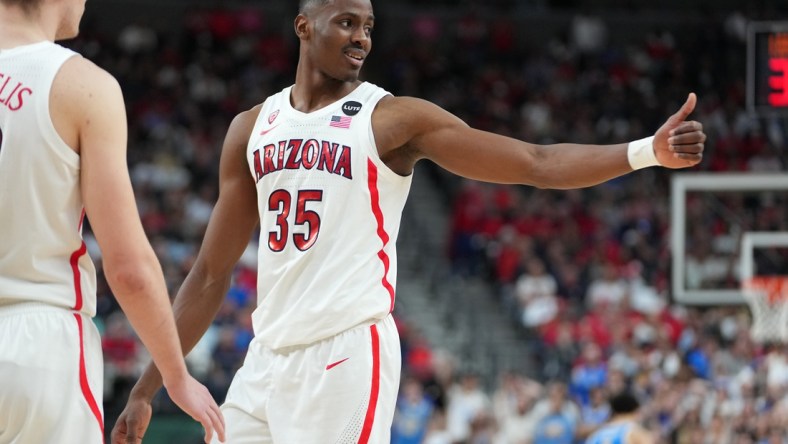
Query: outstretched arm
{"x": 88, "y": 111}
{"x": 408, "y": 129}
{"x": 228, "y": 233}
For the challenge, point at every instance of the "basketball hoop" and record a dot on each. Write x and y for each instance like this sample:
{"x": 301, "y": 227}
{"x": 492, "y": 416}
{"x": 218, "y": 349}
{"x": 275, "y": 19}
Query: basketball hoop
{"x": 767, "y": 297}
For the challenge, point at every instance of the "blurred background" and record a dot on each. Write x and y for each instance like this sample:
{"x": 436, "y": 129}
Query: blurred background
{"x": 519, "y": 309}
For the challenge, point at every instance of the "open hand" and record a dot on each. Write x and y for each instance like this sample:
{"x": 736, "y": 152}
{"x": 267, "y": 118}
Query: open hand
{"x": 194, "y": 399}
{"x": 678, "y": 143}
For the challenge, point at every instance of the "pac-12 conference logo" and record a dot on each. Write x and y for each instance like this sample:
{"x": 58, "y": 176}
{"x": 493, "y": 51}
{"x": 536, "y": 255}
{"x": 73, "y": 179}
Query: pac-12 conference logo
{"x": 351, "y": 108}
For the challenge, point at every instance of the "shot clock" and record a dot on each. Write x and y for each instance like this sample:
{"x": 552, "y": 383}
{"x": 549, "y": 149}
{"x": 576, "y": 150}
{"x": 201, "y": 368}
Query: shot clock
{"x": 767, "y": 68}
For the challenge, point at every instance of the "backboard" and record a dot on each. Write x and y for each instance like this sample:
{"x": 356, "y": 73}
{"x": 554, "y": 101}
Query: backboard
{"x": 713, "y": 216}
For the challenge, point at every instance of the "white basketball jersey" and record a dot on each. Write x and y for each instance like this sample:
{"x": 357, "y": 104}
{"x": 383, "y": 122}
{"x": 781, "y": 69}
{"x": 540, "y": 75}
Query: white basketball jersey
{"x": 330, "y": 212}
{"x": 42, "y": 255}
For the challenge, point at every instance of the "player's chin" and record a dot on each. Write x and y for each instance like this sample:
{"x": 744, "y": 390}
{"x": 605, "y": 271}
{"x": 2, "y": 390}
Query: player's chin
{"x": 349, "y": 76}
{"x": 351, "y": 73}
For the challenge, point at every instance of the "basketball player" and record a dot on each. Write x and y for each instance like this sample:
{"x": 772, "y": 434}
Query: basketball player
{"x": 325, "y": 167}
{"x": 623, "y": 426}
{"x": 62, "y": 149}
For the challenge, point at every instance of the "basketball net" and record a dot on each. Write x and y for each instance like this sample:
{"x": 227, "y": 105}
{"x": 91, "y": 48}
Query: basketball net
{"x": 767, "y": 297}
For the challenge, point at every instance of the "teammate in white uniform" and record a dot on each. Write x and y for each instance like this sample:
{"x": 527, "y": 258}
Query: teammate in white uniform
{"x": 62, "y": 157}
{"x": 324, "y": 166}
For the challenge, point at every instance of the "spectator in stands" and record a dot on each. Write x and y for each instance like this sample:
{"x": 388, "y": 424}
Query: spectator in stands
{"x": 558, "y": 417}
{"x": 467, "y": 403}
{"x": 122, "y": 353}
{"x": 518, "y": 425}
{"x": 536, "y": 293}
{"x": 412, "y": 414}
{"x": 595, "y": 413}
{"x": 608, "y": 290}
{"x": 588, "y": 373}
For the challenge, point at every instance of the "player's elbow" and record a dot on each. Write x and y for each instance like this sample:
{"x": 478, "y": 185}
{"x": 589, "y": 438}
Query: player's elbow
{"x": 547, "y": 169}
{"x": 131, "y": 277}
{"x": 535, "y": 170}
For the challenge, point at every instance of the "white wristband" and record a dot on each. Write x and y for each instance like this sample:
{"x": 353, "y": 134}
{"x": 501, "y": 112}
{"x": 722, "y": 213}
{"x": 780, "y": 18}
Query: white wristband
{"x": 641, "y": 153}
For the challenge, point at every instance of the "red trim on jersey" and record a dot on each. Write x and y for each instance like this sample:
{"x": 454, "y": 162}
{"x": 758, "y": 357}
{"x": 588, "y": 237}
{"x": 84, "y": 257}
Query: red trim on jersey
{"x": 83, "y": 378}
{"x": 374, "y": 194}
{"x": 366, "y": 431}
{"x": 77, "y": 275}
{"x": 81, "y": 220}
{"x": 75, "y": 265}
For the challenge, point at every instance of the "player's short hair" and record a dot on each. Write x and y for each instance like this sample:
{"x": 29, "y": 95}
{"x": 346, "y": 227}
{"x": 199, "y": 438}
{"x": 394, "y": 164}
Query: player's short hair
{"x": 623, "y": 402}
{"x": 27, "y": 5}
{"x": 305, "y": 5}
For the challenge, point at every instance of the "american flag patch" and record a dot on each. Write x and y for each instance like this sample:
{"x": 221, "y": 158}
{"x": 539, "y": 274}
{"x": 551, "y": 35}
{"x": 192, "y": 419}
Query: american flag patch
{"x": 340, "y": 121}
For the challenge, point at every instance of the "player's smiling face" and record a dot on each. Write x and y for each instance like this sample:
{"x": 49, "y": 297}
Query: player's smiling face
{"x": 341, "y": 38}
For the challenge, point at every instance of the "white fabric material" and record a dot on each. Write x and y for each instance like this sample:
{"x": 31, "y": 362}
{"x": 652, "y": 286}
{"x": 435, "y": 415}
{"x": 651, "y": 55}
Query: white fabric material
{"x": 39, "y": 189}
{"x": 641, "y": 153}
{"x": 41, "y": 400}
{"x": 319, "y": 393}
{"x": 330, "y": 211}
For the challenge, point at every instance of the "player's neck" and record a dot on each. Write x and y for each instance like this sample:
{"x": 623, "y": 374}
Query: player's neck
{"x": 18, "y": 29}
{"x": 313, "y": 91}
{"x": 624, "y": 417}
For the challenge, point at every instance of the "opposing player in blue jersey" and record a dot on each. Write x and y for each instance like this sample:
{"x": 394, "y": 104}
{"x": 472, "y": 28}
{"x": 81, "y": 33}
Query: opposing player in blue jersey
{"x": 623, "y": 426}
{"x": 324, "y": 167}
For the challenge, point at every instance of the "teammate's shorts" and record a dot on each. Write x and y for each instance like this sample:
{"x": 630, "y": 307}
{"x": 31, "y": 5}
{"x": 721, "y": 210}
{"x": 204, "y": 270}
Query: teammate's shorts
{"x": 51, "y": 376}
{"x": 339, "y": 390}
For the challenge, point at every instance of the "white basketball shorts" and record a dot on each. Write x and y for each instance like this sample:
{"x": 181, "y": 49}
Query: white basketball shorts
{"x": 51, "y": 376}
{"x": 336, "y": 391}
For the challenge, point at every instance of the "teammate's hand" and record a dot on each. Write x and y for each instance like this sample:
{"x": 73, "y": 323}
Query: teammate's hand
{"x": 194, "y": 399}
{"x": 679, "y": 143}
{"x": 132, "y": 422}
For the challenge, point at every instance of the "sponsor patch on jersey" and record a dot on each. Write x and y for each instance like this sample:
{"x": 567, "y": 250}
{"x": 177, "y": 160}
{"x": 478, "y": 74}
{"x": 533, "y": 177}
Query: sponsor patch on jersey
{"x": 273, "y": 117}
{"x": 351, "y": 108}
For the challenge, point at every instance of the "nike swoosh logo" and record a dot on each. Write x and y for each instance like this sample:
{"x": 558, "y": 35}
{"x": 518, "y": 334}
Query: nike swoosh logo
{"x": 264, "y": 132}
{"x": 330, "y": 366}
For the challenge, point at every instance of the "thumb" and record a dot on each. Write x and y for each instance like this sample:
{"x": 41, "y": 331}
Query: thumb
{"x": 131, "y": 432}
{"x": 686, "y": 110}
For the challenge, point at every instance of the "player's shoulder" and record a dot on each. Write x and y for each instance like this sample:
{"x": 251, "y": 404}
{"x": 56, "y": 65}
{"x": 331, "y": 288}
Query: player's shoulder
{"x": 80, "y": 78}
{"x": 84, "y": 71}
{"x": 403, "y": 107}
{"x": 412, "y": 114}
{"x": 246, "y": 119}
{"x": 641, "y": 435}
{"x": 408, "y": 106}
{"x": 242, "y": 125}
{"x": 82, "y": 90}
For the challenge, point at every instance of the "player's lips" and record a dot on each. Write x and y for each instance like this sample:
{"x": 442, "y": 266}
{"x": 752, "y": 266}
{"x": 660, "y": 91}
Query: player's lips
{"x": 356, "y": 57}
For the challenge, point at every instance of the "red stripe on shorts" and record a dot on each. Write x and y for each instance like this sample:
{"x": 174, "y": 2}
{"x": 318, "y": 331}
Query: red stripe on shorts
{"x": 366, "y": 431}
{"x": 374, "y": 194}
{"x": 83, "y": 379}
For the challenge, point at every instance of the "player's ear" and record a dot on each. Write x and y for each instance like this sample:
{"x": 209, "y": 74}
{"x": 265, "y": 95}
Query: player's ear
{"x": 301, "y": 25}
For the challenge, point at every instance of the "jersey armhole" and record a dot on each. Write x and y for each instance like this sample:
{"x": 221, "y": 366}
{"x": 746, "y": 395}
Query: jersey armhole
{"x": 374, "y": 154}
{"x": 47, "y": 126}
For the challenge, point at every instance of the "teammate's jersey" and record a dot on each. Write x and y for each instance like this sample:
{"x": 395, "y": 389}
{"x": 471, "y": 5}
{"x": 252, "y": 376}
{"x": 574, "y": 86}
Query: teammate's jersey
{"x": 615, "y": 433}
{"x": 42, "y": 255}
{"x": 330, "y": 212}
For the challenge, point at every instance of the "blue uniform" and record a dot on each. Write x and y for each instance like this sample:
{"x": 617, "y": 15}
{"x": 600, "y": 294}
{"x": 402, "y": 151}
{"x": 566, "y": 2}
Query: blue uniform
{"x": 611, "y": 434}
